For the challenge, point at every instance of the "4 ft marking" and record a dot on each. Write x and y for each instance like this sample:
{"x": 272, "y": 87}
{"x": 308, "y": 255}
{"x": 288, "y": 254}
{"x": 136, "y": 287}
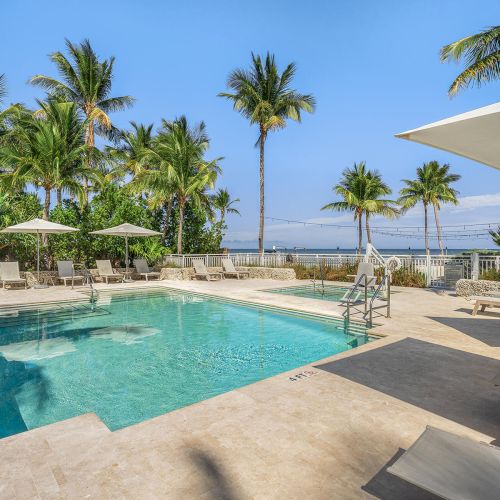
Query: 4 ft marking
{"x": 302, "y": 375}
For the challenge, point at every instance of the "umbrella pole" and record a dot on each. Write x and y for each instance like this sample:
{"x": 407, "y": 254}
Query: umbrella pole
{"x": 40, "y": 285}
{"x": 38, "y": 256}
{"x": 127, "y": 277}
{"x": 126, "y": 257}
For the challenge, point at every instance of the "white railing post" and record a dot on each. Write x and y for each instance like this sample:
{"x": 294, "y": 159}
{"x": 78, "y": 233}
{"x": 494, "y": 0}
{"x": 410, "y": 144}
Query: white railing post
{"x": 475, "y": 266}
{"x": 428, "y": 277}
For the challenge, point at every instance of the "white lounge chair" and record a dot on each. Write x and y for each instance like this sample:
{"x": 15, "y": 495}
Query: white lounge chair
{"x": 451, "y": 466}
{"x": 483, "y": 302}
{"x": 106, "y": 272}
{"x": 364, "y": 268}
{"x": 142, "y": 268}
{"x": 66, "y": 272}
{"x": 201, "y": 272}
{"x": 9, "y": 274}
{"x": 228, "y": 269}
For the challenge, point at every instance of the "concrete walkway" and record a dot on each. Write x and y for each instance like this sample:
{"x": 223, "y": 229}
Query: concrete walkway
{"x": 330, "y": 434}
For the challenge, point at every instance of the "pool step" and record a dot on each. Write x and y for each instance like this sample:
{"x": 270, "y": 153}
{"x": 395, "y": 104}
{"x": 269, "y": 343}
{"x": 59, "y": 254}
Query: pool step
{"x": 17, "y": 316}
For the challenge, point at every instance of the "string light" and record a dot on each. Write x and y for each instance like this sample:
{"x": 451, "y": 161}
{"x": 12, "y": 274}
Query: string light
{"x": 465, "y": 231}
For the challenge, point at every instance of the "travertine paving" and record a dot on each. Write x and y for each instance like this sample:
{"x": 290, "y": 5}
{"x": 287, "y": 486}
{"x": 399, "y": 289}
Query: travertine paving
{"x": 329, "y": 434}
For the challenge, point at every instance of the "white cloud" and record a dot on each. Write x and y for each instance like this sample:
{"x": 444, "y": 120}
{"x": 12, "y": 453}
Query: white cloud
{"x": 478, "y": 201}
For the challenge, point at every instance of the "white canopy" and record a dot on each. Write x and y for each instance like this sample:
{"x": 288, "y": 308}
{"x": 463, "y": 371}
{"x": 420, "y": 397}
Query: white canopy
{"x": 126, "y": 230}
{"x": 474, "y": 135}
{"x": 39, "y": 226}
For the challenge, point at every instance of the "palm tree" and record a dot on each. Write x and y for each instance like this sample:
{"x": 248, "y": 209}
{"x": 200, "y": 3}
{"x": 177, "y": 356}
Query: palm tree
{"x": 361, "y": 190}
{"x": 222, "y": 202}
{"x": 48, "y": 151}
{"x": 176, "y": 170}
{"x": 481, "y": 53}
{"x": 374, "y": 203}
{"x": 86, "y": 82}
{"x": 9, "y": 114}
{"x": 129, "y": 155}
{"x": 265, "y": 98}
{"x": 431, "y": 187}
{"x": 443, "y": 193}
{"x": 496, "y": 236}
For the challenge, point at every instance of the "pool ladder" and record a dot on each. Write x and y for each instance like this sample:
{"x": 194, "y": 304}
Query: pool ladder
{"x": 383, "y": 287}
{"x": 322, "y": 276}
{"x": 89, "y": 280}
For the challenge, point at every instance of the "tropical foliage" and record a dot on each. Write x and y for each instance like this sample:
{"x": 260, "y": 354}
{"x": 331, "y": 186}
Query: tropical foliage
{"x": 265, "y": 97}
{"x": 361, "y": 191}
{"x": 481, "y": 53}
{"x": 159, "y": 179}
{"x": 431, "y": 188}
{"x": 496, "y": 236}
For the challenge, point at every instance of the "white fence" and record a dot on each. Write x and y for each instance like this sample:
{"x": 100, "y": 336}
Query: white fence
{"x": 431, "y": 266}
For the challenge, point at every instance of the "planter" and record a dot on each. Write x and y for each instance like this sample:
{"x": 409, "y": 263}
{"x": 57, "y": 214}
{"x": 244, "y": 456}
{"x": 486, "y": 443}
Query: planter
{"x": 465, "y": 288}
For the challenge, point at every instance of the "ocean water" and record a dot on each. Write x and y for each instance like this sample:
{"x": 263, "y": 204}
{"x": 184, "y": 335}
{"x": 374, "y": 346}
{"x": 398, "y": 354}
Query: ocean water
{"x": 137, "y": 355}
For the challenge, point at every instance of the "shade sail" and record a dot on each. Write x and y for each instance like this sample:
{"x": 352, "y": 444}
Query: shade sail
{"x": 39, "y": 226}
{"x": 474, "y": 135}
{"x": 128, "y": 230}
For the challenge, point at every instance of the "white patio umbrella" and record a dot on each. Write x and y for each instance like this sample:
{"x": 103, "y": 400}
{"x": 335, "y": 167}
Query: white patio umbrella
{"x": 39, "y": 227}
{"x": 127, "y": 231}
{"x": 474, "y": 135}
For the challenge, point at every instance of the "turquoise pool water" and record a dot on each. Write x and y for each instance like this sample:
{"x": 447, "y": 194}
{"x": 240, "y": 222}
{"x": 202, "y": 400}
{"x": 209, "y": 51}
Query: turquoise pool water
{"x": 329, "y": 292}
{"x": 141, "y": 354}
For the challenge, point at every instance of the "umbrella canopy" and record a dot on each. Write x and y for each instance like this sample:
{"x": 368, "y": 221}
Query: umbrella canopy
{"x": 38, "y": 227}
{"x": 126, "y": 231}
{"x": 474, "y": 135}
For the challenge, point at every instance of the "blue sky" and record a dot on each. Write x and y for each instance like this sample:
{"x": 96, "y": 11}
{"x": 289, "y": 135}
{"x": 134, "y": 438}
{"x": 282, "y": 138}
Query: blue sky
{"x": 372, "y": 66}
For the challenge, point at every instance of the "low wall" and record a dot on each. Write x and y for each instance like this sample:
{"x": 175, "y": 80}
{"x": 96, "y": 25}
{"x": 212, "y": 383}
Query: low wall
{"x": 269, "y": 273}
{"x": 465, "y": 288}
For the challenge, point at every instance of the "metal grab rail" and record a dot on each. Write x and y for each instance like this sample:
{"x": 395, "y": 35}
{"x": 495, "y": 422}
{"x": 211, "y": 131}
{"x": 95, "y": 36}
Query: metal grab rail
{"x": 347, "y": 312}
{"x": 386, "y": 280}
{"x": 88, "y": 279}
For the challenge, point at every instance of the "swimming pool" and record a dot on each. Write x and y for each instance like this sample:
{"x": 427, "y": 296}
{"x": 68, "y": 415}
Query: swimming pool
{"x": 329, "y": 292}
{"x": 136, "y": 355}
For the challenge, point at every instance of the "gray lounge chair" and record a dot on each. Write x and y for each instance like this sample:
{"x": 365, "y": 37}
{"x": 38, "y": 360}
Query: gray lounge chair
{"x": 201, "y": 272}
{"x": 9, "y": 274}
{"x": 106, "y": 272}
{"x": 142, "y": 268}
{"x": 451, "y": 466}
{"x": 228, "y": 269}
{"x": 66, "y": 272}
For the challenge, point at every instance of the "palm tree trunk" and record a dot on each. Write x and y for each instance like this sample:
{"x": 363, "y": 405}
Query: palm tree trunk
{"x": 261, "y": 215}
{"x": 426, "y": 230}
{"x": 438, "y": 228}
{"x": 360, "y": 233}
{"x": 90, "y": 141}
{"x": 166, "y": 219}
{"x": 179, "y": 231}
{"x": 46, "y": 205}
{"x": 59, "y": 197}
{"x": 368, "y": 232}
{"x": 46, "y": 209}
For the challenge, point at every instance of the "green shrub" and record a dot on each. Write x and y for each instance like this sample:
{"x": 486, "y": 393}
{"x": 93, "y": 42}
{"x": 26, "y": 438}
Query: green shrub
{"x": 492, "y": 275}
{"x": 403, "y": 277}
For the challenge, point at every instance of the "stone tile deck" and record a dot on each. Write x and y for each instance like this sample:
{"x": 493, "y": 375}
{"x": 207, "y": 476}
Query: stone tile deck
{"x": 329, "y": 435}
